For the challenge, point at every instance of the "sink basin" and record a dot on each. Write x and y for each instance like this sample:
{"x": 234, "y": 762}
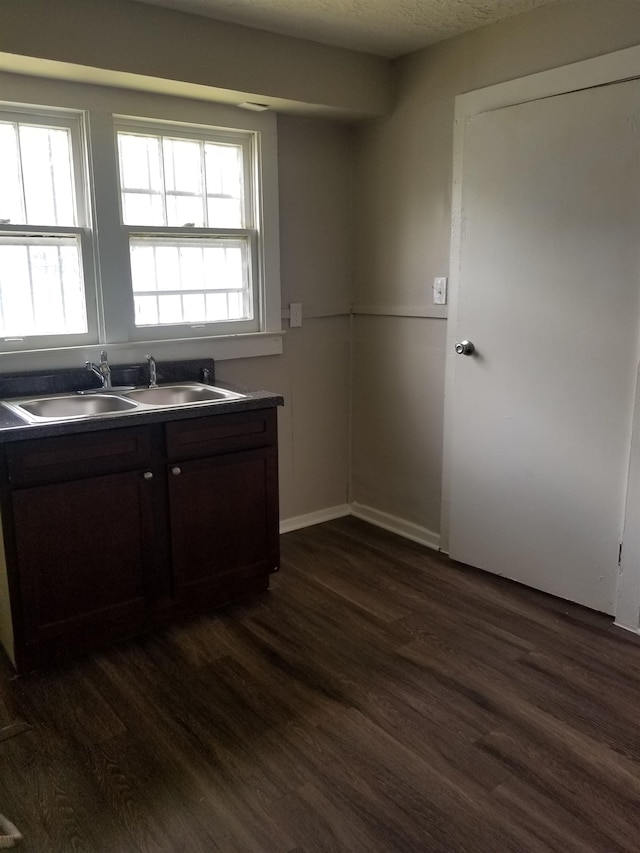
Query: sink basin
{"x": 72, "y": 406}
{"x": 91, "y": 405}
{"x": 180, "y": 395}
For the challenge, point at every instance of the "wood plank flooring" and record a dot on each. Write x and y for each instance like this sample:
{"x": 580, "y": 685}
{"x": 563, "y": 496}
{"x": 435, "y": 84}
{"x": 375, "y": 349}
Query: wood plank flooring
{"x": 380, "y": 698}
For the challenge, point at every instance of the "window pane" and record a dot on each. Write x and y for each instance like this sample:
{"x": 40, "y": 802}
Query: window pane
{"x": 234, "y": 264}
{"x": 192, "y": 266}
{"x": 236, "y": 305}
{"x": 142, "y": 209}
{"x": 216, "y": 306}
{"x": 168, "y": 270}
{"x": 141, "y": 179}
{"x": 146, "y": 310}
{"x": 140, "y": 162}
{"x": 41, "y": 289}
{"x": 195, "y": 280}
{"x": 225, "y": 185}
{"x": 47, "y": 175}
{"x": 193, "y": 307}
{"x": 170, "y": 310}
{"x": 11, "y": 209}
{"x": 182, "y": 165}
{"x": 143, "y": 267}
{"x": 224, "y": 212}
{"x": 185, "y": 211}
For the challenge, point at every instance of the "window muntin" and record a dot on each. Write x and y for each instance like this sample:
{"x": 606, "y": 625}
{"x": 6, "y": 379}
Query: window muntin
{"x": 187, "y": 205}
{"x": 42, "y": 266}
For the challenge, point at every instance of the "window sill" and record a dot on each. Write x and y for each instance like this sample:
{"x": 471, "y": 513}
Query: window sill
{"x": 223, "y": 348}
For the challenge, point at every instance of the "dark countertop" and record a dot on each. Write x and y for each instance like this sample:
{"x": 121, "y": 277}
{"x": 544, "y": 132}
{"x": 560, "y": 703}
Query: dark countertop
{"x": 13, "y": 428}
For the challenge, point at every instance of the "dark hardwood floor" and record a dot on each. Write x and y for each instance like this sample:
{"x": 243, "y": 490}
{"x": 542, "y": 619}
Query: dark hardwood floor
{"x": 380, "y": 698}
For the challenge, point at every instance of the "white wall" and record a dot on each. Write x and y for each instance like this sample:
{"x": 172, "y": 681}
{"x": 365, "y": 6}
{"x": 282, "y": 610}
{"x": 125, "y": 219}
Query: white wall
{"x": 402, "y": 227}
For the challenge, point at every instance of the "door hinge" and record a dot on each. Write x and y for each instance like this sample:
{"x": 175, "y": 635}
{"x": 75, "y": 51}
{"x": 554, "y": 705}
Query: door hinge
{"x": 620, "y": 555}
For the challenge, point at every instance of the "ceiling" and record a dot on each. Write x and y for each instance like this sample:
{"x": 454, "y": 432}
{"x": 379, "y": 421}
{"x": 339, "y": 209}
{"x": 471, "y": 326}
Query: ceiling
{"x": 384, "y": 27}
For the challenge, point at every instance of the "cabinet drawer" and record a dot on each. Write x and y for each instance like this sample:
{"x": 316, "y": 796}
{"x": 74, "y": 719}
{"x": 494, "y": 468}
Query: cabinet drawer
{"x": 199, "y": 437}
{"x": 50, "y": 460}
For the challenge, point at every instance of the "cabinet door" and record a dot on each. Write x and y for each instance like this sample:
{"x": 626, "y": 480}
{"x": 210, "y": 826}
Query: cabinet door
{"x": 80, "y": 554}
{"x": 224, "y": 526}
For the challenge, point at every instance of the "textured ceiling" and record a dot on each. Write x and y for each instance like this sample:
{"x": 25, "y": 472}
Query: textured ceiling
{"x": 385, "y": 27}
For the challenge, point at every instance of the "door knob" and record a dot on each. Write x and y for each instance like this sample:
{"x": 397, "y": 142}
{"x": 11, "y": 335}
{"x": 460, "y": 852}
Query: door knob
{"x": 465, "y": 348}
{"x": 175, "y": 471}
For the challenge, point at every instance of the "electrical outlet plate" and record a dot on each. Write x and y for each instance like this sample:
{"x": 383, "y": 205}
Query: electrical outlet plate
{"x": 295, "y": 315}
{"x": 440, "y": 290}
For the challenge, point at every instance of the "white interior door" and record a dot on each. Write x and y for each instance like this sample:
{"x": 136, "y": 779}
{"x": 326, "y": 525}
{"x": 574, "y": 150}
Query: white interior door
{"x": 549, "y": 294}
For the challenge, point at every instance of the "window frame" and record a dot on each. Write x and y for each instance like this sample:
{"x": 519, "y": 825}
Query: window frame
{"x": 73, "y": 121}
{"x": 106, "y": 278}
{"x": 250, "y": 141}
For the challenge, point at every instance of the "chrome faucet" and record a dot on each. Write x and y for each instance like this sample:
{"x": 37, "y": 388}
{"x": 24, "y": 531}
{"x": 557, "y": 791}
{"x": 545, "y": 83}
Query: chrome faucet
{"x": 153, "y": 376}
{"x": 102, "y": 370}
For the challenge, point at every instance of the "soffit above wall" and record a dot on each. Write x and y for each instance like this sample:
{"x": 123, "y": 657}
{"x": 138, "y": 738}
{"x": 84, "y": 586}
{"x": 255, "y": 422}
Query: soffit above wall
{"x": 156, "y": 49}
{"x": 383, "y": 27}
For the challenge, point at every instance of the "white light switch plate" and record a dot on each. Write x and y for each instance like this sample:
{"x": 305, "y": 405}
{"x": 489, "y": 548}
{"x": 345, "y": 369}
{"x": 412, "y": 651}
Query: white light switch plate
{"x": 440, "y": 290}
{"x": 295, "y": 315}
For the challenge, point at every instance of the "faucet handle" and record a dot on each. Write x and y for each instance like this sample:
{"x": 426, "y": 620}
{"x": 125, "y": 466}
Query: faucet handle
{"x": 153, "y": 376}
{"x": 105, "y": 370}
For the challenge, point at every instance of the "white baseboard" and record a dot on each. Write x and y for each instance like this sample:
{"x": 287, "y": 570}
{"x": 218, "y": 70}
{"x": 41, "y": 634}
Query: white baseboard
{"x": 633, "y": 629}
{"x": 311, "y": 518}
{"x": 407, "y": 529}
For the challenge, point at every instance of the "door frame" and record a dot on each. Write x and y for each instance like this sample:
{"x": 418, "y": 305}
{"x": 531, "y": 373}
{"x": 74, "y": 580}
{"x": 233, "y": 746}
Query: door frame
{"x": 602, "y": 70}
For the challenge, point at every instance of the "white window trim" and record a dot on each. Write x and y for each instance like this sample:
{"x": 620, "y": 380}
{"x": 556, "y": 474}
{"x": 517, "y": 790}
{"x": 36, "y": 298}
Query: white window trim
{"x": 112, "y": 292}
{"x": 250, "y": 143}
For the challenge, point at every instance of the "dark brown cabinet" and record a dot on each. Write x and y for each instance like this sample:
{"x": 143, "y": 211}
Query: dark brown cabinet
{"x": 222, "y": 526}
{"x": 78, "y": 584}
{"x": 112, "y": 532}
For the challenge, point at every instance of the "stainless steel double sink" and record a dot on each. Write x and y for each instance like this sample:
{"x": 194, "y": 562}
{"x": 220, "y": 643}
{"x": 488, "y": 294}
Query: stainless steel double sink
{"x": 61, "y": 407}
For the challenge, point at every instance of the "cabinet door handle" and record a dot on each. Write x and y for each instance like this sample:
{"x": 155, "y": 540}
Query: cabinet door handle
{"x": 175, "y": 471}
{"x": 148, "y": 475}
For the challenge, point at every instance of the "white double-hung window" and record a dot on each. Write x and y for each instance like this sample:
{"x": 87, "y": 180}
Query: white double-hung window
{"x": 122, "y": 231}
{"x": 45, "y": 243}
{"x": 188, "y": 204}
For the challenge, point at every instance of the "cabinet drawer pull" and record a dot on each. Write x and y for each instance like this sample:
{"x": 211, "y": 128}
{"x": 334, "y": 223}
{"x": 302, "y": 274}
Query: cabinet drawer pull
{"x": 175, "y": 471}
{"x": 148, "y": 475}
